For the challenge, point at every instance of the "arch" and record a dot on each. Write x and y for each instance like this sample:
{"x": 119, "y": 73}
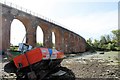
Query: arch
{"x": 30, "y": 28}
{"x": 39, "y": 36}
{"x": 17, "y": 32}
{"x": 53, "y": 39}
{"x": 46, "y": 34}
{"x": 58, "y": 37}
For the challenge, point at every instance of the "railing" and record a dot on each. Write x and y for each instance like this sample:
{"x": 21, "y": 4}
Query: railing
{"x": 30, "y": 12}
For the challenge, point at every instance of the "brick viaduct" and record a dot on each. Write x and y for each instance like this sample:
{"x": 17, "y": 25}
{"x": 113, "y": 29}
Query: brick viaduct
{"x": 65, "y": 40}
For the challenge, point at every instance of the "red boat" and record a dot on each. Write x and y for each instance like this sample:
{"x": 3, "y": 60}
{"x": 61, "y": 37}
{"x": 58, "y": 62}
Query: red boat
{"x": 37, "y": 64}
{"x": 36, "y": 55}
{"x": 31, "y": 63}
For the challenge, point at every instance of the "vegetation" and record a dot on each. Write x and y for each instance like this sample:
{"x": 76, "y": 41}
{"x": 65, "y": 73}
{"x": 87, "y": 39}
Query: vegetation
{"x": 13, "y": 48}
{"x": 107, "y": 42}
{"x": 39, "y": 44}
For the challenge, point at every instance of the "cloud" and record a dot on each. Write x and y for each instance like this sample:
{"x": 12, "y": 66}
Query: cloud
{"x": 93, "y": 25}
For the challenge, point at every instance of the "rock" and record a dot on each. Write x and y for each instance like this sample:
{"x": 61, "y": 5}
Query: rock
{"x": 112, "y": 73}
{"x": 111, "y": 61}
{"x": 101, "y": 53}
{"x": 94, "y": 71}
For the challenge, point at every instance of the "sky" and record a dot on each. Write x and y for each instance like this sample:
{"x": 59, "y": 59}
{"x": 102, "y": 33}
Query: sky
{"x": 88, "y": 18}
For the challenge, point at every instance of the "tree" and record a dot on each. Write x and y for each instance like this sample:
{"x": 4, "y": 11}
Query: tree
{"x": 116, "y": 38}
{"x": 96, "y": 44}
{"x": 90, "y": 45}
{"x": 110, "y": 46}
{"x": 108, "y": 39}
{"x": 89, "y": 41}
{"x": 103, "y": 40}
{"x": 107, "y": 42}
{"x": 116, "y": 34}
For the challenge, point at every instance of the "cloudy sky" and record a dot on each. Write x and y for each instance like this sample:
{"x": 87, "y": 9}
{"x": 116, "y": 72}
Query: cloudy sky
{"x": 88, "y": 18}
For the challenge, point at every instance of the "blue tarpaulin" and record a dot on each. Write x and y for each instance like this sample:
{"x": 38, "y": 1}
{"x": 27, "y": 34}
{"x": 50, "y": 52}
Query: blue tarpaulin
{"x": 50, "y": 51}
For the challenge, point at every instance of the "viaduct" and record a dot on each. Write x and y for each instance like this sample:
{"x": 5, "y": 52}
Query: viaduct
{"x": 65, "y": 40}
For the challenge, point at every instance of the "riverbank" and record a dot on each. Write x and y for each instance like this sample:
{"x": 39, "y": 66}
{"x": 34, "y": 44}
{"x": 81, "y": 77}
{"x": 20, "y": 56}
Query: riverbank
{"x": 87, "y": 67}
{"x": 96, "y": 65}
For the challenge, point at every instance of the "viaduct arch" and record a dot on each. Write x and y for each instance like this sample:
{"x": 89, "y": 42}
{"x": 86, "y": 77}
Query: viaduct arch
{"x": 17, "y": 33}
{"x": 65, "y": 40}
